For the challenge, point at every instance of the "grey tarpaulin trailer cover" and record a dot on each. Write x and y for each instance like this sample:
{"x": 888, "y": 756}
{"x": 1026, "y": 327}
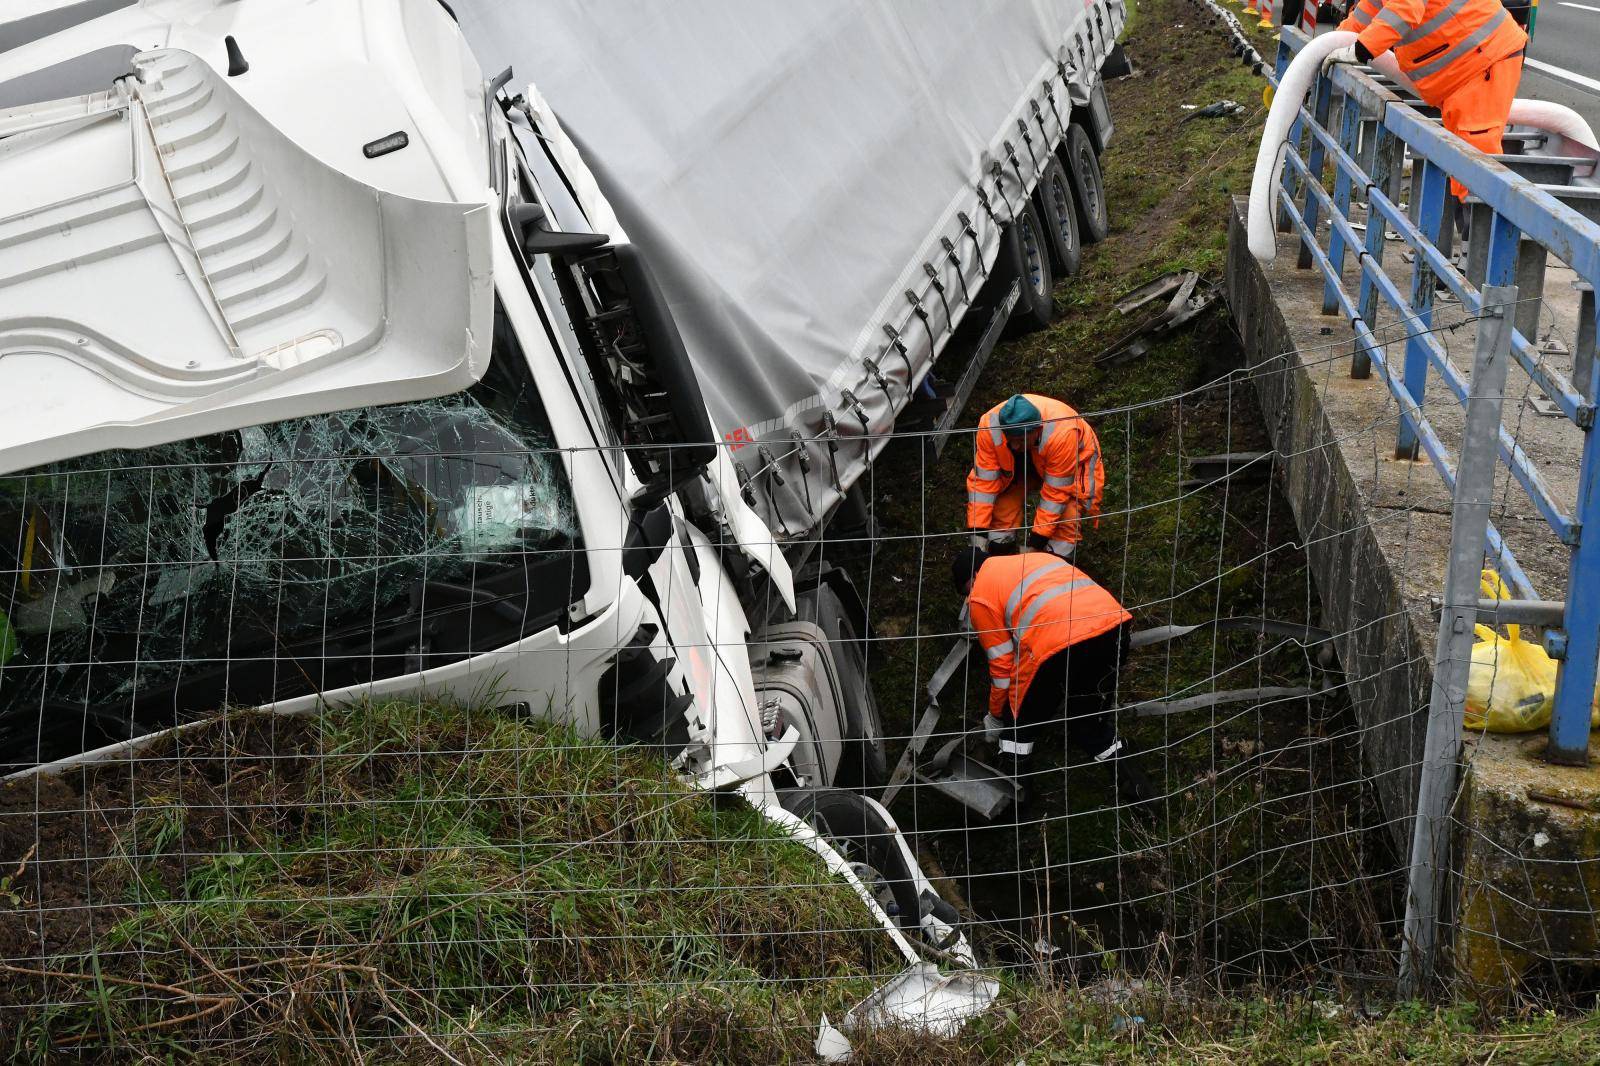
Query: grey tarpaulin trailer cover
{"x": 792, "y": 169}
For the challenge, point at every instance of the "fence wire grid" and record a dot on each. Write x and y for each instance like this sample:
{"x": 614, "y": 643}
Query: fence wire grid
{"x": 515, "y": 841}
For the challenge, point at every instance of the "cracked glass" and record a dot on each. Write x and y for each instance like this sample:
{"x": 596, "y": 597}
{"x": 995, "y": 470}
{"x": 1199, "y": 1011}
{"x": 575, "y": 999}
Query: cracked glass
{"x": 137, "y": 587}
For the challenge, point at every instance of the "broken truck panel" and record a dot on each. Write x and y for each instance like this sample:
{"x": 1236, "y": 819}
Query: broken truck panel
{"x": 257, "y": 564}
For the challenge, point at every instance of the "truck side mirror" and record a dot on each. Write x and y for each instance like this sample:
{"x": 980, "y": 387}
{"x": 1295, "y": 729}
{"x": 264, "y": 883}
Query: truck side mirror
{"x": 643, "y": 370}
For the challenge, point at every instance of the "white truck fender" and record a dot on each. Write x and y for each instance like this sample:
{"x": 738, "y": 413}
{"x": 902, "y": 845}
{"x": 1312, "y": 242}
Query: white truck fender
{"x": 755, "y": 540}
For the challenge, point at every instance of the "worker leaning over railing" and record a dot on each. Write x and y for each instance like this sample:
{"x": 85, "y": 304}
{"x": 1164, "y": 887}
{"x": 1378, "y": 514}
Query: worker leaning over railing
{"x": 1464, "y": 57}
{"x": 1032, "y": 439}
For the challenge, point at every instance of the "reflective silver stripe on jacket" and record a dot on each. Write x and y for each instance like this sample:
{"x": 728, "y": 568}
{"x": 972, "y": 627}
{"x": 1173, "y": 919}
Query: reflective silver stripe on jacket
{"x": 1003, "y": 648}
{"x": 1362, "y": 17}
{"x": 1396, "y": 21}
{"x": 1020, "y": 627}
{"x": 1468, "y": 44}
{"x": 997, "y": 436}
{"x": 983, "y": 473}
{"x": 1044, "y": 567}
{"x": 1433, "y": 24}
{"x": 1049, "y": 428}
{"x": 981, "y": 497}
{"x": 1094, "y": 469}
{"x": 1056, "y": 481}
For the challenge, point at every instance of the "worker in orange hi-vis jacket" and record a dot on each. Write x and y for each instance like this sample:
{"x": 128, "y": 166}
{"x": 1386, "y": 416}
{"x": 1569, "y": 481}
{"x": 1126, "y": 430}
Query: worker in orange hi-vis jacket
{"x": 1464, "y": 56}
{"x": 1054, "y": 640}
{"x": 1033, "y": 442}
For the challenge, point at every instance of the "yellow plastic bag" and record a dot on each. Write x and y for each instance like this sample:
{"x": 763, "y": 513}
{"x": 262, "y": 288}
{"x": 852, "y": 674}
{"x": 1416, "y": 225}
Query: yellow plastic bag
{"x": 1512, "y": 684}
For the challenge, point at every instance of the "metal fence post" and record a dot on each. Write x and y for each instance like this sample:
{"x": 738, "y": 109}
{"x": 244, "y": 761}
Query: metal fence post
{"x": 1315, "y": 158}
{"x": 1388, "y": 155}
{"x": 1430, "y": 840}
{"x": 1579, "y": 642}
{"x": 1430, "y": 190}
{"x": 1349, "y": 134}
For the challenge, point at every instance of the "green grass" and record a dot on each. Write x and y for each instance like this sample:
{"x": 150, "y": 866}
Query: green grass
{"x": 398, "y": 883}
{"x": 396, "y": 868}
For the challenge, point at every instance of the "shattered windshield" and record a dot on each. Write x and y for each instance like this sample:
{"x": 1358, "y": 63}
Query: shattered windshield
{"x": 142, "y": 586}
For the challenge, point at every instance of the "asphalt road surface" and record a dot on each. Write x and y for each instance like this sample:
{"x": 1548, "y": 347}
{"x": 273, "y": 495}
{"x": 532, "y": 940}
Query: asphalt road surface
{"x": 1563, "y": 63}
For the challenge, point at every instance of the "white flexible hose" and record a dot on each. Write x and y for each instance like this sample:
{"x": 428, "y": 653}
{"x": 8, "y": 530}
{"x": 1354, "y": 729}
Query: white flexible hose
{"x": 1540, "y": 114}
{"x": 1286, "y": 101}
{"x": 1553, "y": 118}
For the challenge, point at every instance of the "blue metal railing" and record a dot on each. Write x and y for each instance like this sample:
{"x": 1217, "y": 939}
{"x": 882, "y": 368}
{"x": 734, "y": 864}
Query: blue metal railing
{"x": 1524, "y": 223}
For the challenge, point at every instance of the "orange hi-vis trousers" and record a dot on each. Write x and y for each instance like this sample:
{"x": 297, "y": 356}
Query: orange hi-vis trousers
{"x": 1476, "y": 111}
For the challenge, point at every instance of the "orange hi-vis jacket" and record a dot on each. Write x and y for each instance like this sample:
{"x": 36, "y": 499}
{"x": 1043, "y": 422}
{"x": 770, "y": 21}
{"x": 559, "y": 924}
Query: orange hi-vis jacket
{"x": 1067, "y": 457}
{"x": 1025, "y": 608}
{"x": 1440, "y": 44}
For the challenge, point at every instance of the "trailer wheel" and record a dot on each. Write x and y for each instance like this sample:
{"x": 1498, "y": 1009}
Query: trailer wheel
{"x": 853, "y": 826}
{"x": 1059, "y": 210}
{"x": 1028, "y": 248}
{"x": 1088, "y": 187}
{"x": 863, "y": 763}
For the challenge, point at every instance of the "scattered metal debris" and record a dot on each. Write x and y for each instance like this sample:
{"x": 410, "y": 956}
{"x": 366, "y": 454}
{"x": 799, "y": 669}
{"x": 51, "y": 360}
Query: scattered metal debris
{"x": 1220, "y": 109}
{"x": 1189, "y": 296}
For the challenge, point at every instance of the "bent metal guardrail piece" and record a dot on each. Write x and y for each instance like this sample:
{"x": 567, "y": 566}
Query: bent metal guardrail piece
{"x": 1517, "y": 226}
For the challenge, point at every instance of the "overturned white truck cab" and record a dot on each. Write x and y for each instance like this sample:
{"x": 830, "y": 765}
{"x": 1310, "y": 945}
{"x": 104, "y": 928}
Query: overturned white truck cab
{"x": 331, "y": 366}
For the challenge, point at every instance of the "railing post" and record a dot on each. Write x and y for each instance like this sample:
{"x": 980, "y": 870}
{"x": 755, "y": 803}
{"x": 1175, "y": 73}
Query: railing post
{"x": 1481, "y": 217}
{"x": 1430, "y": 839}
{"x": 1579, "y": 643}
{"x": 1432, "y": 185}
{"x": 1500, "y": 249}
{"x": 1531, "y": 259}
{"x": 1388, "y": 155}
{"x": 1316, "y": 156}
{"x": 1588, "y": 329}
{"x": 1296, "y": 136}
{"x": 1349, "y": 132}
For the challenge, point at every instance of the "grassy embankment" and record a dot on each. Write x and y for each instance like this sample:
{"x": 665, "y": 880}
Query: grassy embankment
{"x": 400, "y": 884}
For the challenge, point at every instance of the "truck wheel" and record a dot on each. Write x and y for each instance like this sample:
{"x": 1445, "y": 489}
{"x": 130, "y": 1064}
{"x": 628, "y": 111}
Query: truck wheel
{"x": 1089, "y": 190}
{"x": 1028, "y": 247}
{"x": 858, "y": 833}
{"x": 863, "y": 763}
{"x": 1058, "y": 208}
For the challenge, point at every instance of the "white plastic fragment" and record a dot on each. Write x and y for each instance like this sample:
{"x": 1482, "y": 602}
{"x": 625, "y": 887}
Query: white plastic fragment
{"x": 925, "y": 999}
{"x": 831, "y": 1045}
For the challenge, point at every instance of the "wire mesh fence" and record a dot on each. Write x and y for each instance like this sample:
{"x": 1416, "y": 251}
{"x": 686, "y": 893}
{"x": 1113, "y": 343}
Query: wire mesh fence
{"x": 521, "y": 793}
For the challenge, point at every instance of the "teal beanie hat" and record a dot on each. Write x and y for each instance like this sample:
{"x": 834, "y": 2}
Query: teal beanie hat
{"x": 1017, "y": 415}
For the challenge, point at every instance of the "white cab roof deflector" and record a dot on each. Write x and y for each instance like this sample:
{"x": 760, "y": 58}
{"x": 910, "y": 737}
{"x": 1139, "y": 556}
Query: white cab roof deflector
{"x": 171, "y": 265}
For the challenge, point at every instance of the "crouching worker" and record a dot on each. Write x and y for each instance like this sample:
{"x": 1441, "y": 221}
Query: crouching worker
{"x": 1054, "y": 640}
{"x": 1028, "y": 443}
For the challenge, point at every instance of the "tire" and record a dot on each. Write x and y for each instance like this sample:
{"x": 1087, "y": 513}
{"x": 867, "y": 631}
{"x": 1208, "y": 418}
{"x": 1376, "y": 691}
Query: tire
{"x": 864, "y": 763}
{"x": 857, "y": 832}
{"x": 1029, "y": 251}
{"x": 1058, "y": 208}
{"x": 1088, "y": 187}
